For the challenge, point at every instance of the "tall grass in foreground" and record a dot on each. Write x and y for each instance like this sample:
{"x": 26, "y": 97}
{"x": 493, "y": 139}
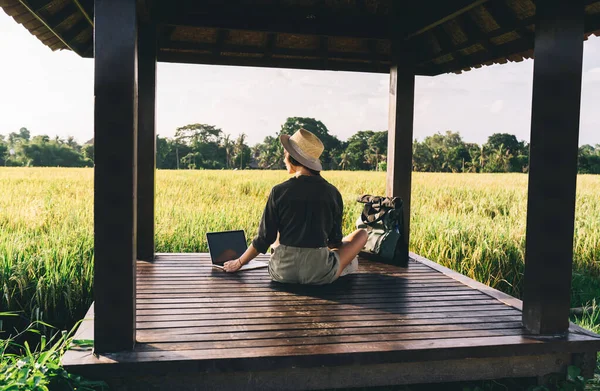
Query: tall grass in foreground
{"x": 472, "y": 223}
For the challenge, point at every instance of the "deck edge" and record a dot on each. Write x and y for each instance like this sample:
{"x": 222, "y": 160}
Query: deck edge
{"x": 487, "y": 290}
{"x": 494, "y": 293}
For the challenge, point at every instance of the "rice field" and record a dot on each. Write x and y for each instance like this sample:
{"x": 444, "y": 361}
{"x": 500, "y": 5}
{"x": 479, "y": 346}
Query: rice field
{"x": 472, "y": 223}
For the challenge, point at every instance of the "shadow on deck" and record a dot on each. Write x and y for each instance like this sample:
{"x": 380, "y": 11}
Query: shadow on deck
{"x": 198, "y": 327}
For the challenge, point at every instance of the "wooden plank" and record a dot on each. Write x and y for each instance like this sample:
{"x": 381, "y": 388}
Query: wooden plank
{"x": 280, "y": 295}
{"x": 326, "y": 340}
{"x": 401, "y": 113}
{"x": 427, "y": 332}
{"x": 170, "y": 280}
{"x": 146, "y": 184}
{"x": 264, "y": 282}
{"x": 204, "y": 260}
{"x": 268, "y": 308}
{"x": 324, "y": 336}
{"x": 355, "y": 282}
{"x": 172, "y": 333}
{"x": 234, "y": 301}
{"x": 555, "y": 115}
{"x": 285, "y": 296}
{"x": 447, "y": 317}
{"x": 115, "y": 118}
{"x": 210, "y": 292}
{"x": 283, "y": 314}
{"x": 496, "y": 294}
{"x": 207, "y": 268}
{"x": 198, "y": 271}
{"x": 246, "y": 288}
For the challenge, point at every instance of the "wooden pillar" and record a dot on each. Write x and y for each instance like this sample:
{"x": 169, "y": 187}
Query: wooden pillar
{"x": 557, "y": 73}
{"x": 147, "y": 41}
{"x": 400, "y": 134}
{"x": 115, "y": 174}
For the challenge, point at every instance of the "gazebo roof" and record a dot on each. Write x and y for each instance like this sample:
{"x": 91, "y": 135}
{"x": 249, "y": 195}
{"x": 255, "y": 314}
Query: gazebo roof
{"x": 349, "y": 35}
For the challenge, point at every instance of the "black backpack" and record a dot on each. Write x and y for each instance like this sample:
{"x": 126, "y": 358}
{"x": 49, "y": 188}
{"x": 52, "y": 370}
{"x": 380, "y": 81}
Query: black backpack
{"x": 383, "y": 219}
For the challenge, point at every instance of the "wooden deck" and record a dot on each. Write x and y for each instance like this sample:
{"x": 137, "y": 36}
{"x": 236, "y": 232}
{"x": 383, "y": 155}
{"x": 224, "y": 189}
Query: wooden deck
{"x": 383, "y": 325}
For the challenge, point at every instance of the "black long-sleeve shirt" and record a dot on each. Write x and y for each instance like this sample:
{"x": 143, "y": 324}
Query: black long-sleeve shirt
{"x": 305, "y": 210}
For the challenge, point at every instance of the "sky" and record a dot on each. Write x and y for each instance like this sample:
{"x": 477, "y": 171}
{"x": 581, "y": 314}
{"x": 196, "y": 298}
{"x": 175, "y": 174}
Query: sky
{"x": 52, "y": 93}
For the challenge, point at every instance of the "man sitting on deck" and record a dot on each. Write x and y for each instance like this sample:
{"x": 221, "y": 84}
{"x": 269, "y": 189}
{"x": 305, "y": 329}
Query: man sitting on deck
{"x": 303, "y": 221}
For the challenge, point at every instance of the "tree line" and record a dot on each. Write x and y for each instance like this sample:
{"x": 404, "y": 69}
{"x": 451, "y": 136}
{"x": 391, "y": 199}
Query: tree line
{"x": 202, "y": 146}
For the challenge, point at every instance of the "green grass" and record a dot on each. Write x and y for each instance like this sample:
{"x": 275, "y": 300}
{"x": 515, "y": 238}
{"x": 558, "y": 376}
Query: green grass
{"x": 472, "y": 223}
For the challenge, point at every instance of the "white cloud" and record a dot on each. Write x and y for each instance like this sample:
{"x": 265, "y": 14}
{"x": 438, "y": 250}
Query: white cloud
{"x": 593, "y": 75}
{"x": 497, "y": 106}
{"x": 422, "y": 105}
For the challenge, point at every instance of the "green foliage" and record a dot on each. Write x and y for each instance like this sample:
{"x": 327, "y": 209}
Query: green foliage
{"x": 589, "y": 159}
{"x": 448, "y": 153}
{"x": 19, "y": 149}
{"x": 441, "y": 153}
{"x": 39, "y": 369}
{"x": 87, "y": 151}
{"x": 203, "y": 146}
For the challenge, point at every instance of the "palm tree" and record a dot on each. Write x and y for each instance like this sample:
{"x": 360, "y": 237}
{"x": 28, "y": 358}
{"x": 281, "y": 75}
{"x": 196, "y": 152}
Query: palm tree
{"x": 344, "y": 160}
{"x": 374, "y": 151}
{"x": 502, "y": 157}
{"x": 478, "y": 159}
{"x": 239, "y": 147}
{"x": 227, "y": 144}
{"x": 371, "y": 159}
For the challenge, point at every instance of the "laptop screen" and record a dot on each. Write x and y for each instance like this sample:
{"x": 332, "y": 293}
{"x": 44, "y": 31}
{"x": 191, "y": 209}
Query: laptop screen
{"x": 225, "y": 246}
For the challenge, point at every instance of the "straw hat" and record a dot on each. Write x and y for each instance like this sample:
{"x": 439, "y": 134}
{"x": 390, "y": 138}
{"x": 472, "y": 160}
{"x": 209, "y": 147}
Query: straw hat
{"x": 305, "y": 147}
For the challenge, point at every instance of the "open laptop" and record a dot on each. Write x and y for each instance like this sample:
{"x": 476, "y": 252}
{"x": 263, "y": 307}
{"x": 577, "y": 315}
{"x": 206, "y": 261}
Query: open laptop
{"x": 228, "y": 245}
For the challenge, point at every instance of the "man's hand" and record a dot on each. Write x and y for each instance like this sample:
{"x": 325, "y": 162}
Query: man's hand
{"x": 232, "y": 266}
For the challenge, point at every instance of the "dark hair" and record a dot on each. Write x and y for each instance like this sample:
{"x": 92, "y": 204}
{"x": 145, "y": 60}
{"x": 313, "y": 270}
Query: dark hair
{"x": 297, "y": 163}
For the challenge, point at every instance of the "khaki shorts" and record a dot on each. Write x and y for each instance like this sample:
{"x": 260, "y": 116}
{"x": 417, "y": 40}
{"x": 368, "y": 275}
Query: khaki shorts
{"x": 297, "y": 265}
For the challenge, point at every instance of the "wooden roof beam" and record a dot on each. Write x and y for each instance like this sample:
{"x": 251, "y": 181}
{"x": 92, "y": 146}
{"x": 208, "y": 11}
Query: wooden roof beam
{"x": 312, "y": 21}
{"x": 441, "y": 13}
{"x": 221, "y": 38}
{"x": 482, "y": 38}
{"x": 322, "y": 51}
{"x": 372, "y": 44}
{"x": 37, "y": 5}
{"x": 447, "y": 45}
{"x": 473, "y": 32}
{"x": 592, "y": 22}
{"x": 315, "y": 64}
{"x": 58, "y": 18}
{"x": 270, "y": 45}
{"x": 70, "y": 35}
{"x": 49, "y": 27}
{"x": 502, "y": 51}
{"x": 502, "y": 13}
{"x": 83, "y": 12}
